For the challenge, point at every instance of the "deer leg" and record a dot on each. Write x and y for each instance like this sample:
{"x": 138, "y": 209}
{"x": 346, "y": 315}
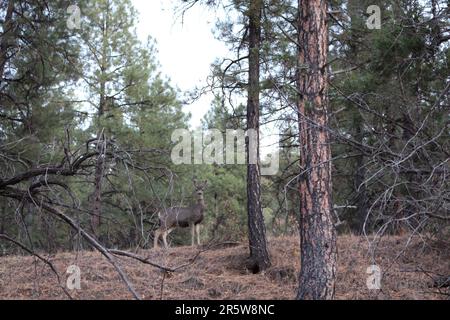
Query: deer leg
{"x": 192, "y": 235}
{"x": 164, "y": 236}
{"x": 197, "y": 230}
{"x": 156, "y": 238}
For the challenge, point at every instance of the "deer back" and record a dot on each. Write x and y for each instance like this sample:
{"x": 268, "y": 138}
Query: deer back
{"x": 181, "y": 216}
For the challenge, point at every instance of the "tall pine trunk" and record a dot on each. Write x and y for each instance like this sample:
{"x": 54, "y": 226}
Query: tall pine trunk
{"x": 259, "y": 255}
{"x": 101, "y": 139}
{"x": 360, "y": 177}
{"x": 318, "y": 239}
{"x": 98, "y": 177}
{"x": 97, "y": 194}
{"x": 358, "y": 123}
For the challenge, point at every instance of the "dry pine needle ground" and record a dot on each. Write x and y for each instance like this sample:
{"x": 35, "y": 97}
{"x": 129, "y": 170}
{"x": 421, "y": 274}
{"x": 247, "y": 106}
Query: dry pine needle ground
{"x": 221, "y": 274}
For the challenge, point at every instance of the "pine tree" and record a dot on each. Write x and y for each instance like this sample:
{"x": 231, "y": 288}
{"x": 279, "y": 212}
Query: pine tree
{"x": 256, "y": 228}
{"x": 317, "y": 233}
{"x": 38, "y": 59}
{"x": 117, "y": 71}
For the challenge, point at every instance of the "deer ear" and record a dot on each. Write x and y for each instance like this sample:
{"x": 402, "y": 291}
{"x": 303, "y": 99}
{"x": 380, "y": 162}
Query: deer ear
{"x": 205, "y": 183}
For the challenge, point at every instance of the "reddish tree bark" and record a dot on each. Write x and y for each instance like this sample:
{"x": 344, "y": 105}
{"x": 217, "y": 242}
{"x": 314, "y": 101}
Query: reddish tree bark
{"x": 318, "y": 240}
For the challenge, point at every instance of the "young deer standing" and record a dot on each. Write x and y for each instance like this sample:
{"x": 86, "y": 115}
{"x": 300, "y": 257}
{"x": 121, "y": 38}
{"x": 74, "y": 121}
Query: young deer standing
{"x": 182, "y": 217}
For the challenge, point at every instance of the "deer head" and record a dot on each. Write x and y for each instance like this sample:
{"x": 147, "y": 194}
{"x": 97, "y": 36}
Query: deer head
{"x": 199, "y": 188}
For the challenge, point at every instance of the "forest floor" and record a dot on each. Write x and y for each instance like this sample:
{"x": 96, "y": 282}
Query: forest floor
{"x": 220, "y": 272}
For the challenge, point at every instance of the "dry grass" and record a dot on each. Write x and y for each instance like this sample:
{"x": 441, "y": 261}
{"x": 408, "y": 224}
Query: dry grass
{"x": 220, "y": 273}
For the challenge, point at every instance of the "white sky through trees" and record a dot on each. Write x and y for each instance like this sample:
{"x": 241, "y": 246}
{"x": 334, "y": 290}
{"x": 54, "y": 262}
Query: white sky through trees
{"x": 186, "y": 47}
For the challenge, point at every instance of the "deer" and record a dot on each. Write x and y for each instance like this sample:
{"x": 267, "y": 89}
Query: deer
{"x": 182, "y": 217}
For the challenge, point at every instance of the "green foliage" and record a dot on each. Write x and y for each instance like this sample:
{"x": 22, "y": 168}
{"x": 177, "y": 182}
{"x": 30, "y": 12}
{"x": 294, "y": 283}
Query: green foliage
{"x": 63, "y": 87}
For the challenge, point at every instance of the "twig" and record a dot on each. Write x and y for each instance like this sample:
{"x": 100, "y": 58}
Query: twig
{"x": 140, "y": 258}
{"x": 52, "y": 267}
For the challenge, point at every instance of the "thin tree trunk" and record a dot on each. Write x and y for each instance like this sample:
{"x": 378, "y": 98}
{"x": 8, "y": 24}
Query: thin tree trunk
{"x": 97, "y": 200}
{"x": 318, "y": 239}
{"x": 2, "y": 220}
{"x": 97, "y": 195}
{"x": 360, "y": 176}
{"x": 259, "y": 255}
{"x": 358, "y": 123}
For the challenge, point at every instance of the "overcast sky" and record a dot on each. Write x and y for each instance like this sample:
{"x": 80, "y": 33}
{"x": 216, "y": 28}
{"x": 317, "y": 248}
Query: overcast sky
{"x": 186, "y": 48}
